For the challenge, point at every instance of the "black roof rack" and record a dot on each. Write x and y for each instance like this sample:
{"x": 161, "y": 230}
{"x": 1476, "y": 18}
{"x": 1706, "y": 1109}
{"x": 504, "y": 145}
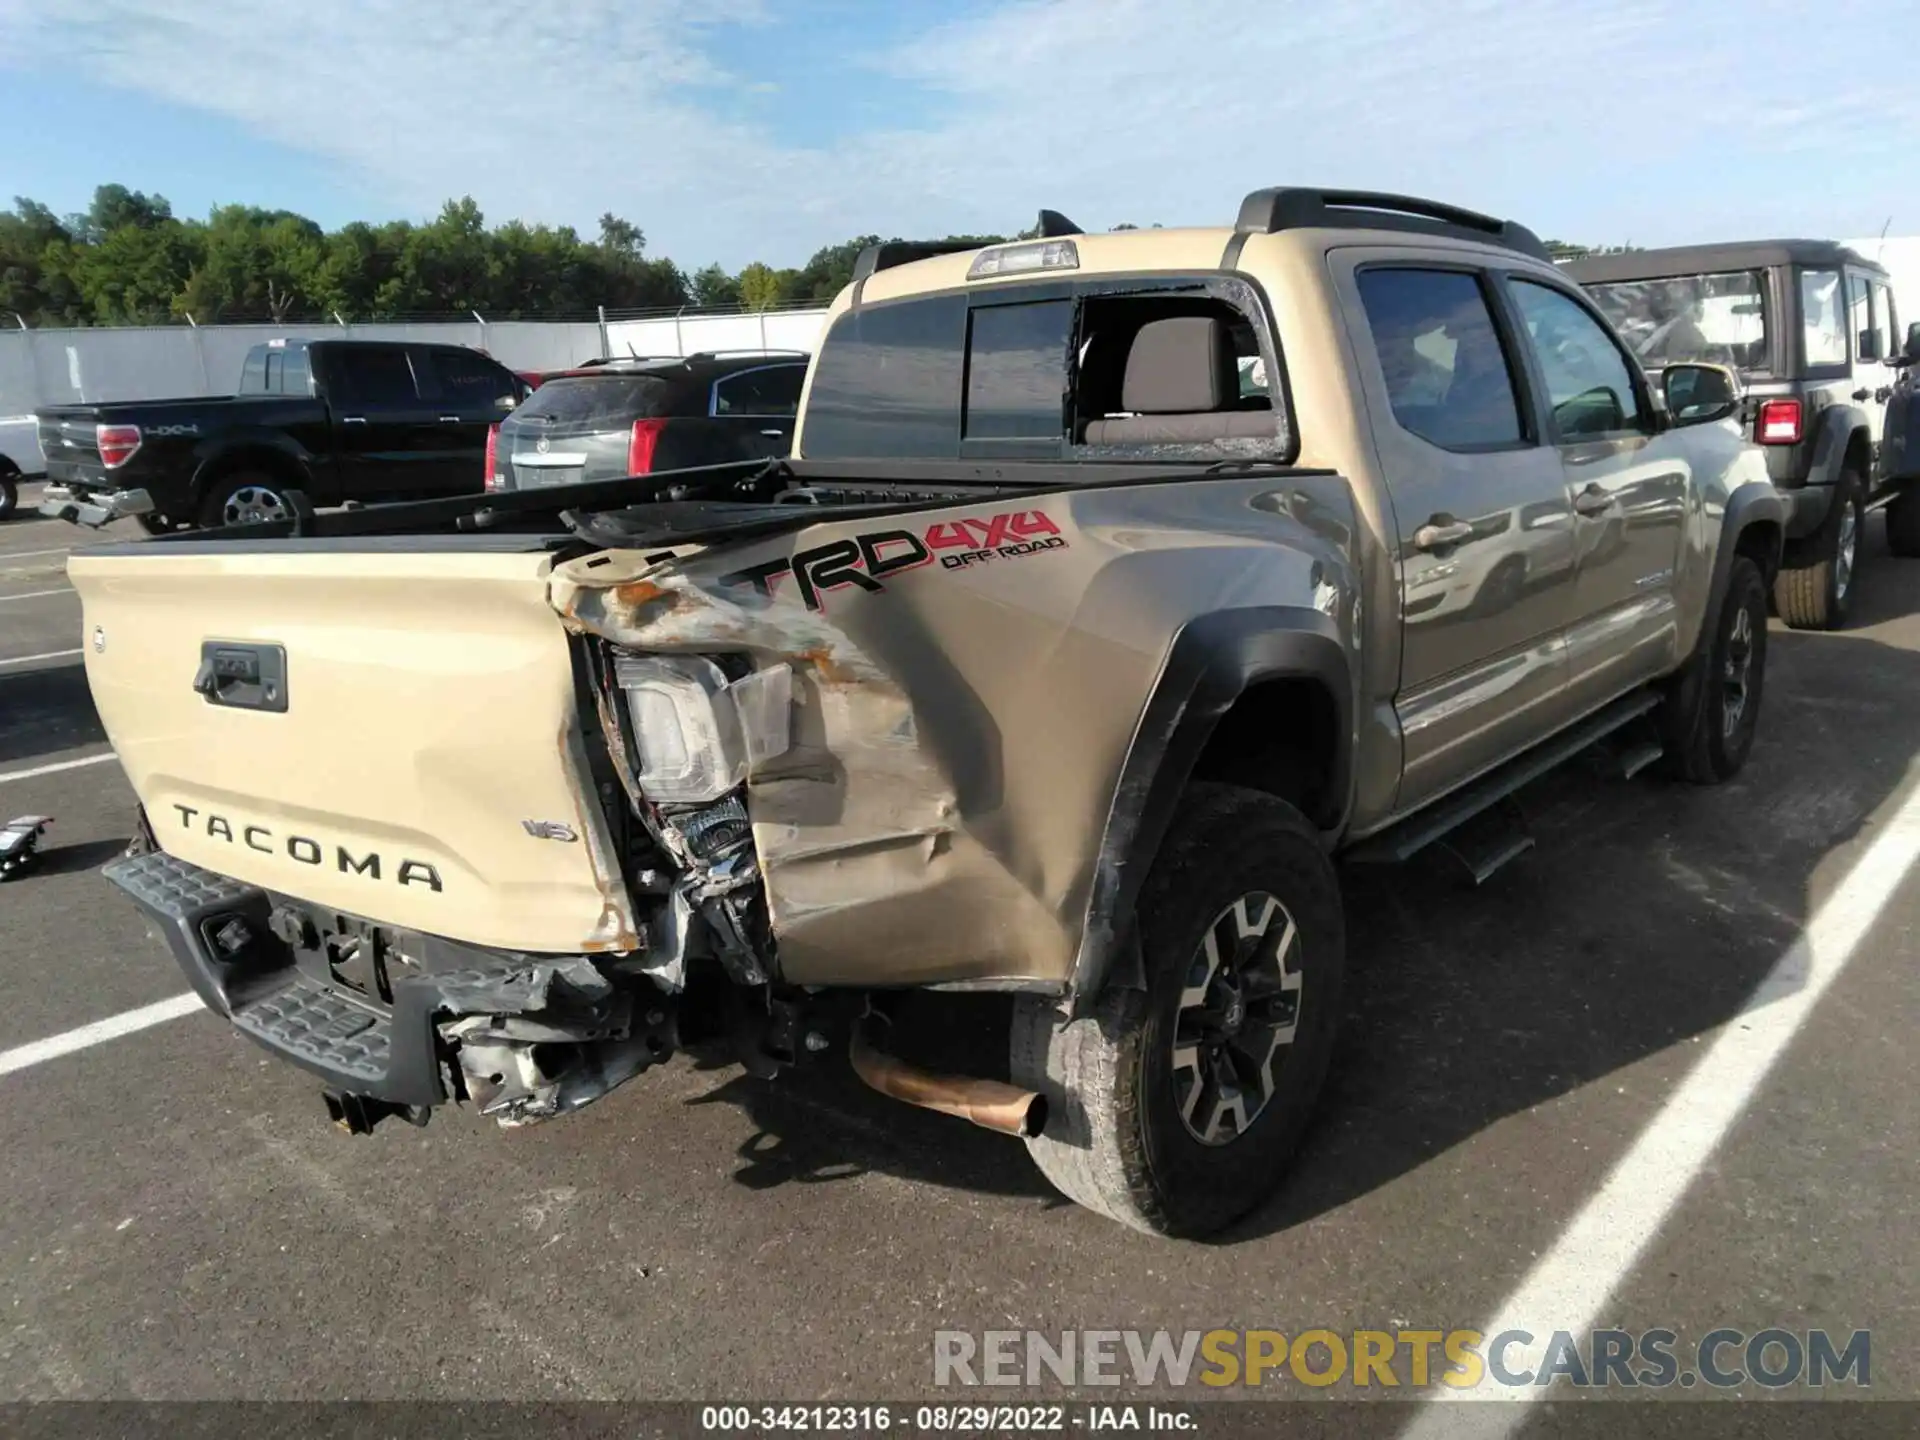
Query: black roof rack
{"x": 1267, "y": 212}
{"x": 904, "y": 252}
{"x": 746, "y": 350}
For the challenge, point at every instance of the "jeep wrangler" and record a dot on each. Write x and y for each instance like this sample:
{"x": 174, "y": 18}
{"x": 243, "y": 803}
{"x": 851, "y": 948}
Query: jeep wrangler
{"x": 1809, "y": 326}
{"x": 1118, "y": 587}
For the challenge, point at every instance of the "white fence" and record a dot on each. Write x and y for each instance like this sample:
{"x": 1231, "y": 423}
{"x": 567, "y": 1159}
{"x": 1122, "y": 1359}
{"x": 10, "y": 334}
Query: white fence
{"x": 87, "y": 366}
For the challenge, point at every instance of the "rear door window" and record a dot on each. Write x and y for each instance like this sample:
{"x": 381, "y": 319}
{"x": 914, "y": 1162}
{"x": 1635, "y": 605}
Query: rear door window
{"x": 1017, "y": 371}
{"x": 374, "y": 379}
{"x": 1887, "y": 319}
{"x": 1823, "y": 319}
{"x": 1447, "y": 375}
{"x": 768, "y": 391}
{"x": 471, "y": 382}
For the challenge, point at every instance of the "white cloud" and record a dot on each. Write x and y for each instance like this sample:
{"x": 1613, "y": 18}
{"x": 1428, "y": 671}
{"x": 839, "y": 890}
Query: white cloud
{"x": 1650, "y": 120}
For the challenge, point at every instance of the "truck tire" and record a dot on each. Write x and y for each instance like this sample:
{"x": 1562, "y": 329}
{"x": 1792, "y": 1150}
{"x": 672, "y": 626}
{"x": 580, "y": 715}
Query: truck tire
{"x": 1175, "y": 1109}
{"x": 1903, "y": 525}
{"x": 9, "y": 495}
{"x": 1817, "y": 595}
{"x": 243, "y": 497}
{"x": 1712, "y": 707}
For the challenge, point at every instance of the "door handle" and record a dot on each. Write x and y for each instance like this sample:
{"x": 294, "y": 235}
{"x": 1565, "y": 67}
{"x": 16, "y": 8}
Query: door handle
{"x": 777, "y": 434}
{"x": 1592, "y": 501}
{"x": 449, "y": 419}
{"x": 1863, "y": 393}
{"x": 1439, "y": 533}
{"x": 1883, "y": 394}
{"x": 353, "y": 419}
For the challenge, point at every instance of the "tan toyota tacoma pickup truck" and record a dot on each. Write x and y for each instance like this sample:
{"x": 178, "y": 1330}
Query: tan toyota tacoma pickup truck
{"x": 1120, "y": 585}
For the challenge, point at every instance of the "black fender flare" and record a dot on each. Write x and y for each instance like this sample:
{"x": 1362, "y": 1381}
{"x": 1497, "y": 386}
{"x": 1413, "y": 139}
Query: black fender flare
{"x": 1211, "y": 662}
{"x": 1753, "y": 504}
{"x": 1833, "y": 433}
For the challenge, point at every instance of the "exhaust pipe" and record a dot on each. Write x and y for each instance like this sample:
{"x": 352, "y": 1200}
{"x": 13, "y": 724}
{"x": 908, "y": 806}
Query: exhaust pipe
{"x": 987, "y": 1103}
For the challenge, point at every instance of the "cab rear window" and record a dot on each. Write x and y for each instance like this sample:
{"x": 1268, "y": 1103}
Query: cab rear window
{"x": 1030, "y": 374}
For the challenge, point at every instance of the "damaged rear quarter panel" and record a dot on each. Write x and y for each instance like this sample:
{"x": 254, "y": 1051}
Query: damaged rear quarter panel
{"x": 959, "y": 729}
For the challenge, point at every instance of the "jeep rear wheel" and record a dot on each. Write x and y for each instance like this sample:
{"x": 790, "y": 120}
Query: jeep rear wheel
{"x": 1816, "y": 594}
{"x": 1175, "y": 1109}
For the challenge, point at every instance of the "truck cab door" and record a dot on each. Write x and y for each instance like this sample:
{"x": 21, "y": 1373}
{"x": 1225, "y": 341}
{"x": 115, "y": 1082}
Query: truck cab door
{"x": 381, "y": 424}
{"x": 1627, "y": 483}
{"x": 468, "y": 393}
{"x": 1482, "y": 540}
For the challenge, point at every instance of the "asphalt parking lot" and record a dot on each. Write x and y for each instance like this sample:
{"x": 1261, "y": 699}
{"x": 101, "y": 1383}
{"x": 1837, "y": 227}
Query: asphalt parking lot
{"x": 183, "y": 1224}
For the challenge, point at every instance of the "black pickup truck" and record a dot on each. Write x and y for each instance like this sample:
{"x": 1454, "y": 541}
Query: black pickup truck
{"x": 335, "y": 420}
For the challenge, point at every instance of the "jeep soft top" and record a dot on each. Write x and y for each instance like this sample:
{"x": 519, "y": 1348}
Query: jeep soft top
{"x": 1813, "y": 329}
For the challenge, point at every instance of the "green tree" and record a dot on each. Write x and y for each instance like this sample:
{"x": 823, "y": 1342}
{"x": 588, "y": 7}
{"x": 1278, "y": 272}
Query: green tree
{"x": 114, "y": 208}
{"x": 762, "y": 287}
{"x": 713, "y": 286}
{"x": 257, "y": 265}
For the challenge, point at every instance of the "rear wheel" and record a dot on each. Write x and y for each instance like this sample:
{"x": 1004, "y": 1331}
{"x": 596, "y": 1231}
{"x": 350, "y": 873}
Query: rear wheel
{"x": 1712, "y": 708}
{"x": 9, "y": 495}
{"x": 1176, "y": 1109}
{"x": 1816, "y": 594}
{"x": 244, "y": 498}
{"x": 1903, "y": 525}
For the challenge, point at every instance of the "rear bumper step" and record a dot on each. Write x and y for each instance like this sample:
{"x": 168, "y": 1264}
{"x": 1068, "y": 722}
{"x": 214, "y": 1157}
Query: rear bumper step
{"x": 422, "y": 1010}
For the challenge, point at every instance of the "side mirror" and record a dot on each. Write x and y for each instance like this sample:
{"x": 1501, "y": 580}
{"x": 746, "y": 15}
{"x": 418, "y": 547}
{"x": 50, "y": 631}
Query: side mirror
{"x": 1911, "y": 351}
{"x": 1699, "y": 394}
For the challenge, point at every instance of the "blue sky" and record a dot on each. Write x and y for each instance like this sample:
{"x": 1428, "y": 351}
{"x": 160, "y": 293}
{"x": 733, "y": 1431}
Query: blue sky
{"x": 733, "y": 130}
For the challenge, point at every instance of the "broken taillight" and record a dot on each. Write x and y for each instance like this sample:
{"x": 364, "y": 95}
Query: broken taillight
{"x": 495, "y": 481}
{"x": 116, "y": 443}
{"x": 1780, "y": 422}
{"x": 646, "y": 435}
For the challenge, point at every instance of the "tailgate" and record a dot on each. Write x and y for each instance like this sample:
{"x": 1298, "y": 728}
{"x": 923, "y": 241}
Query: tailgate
{"x": 429, "y": 712}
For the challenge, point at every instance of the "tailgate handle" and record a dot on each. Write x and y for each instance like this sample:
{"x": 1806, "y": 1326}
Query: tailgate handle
{"x": 242, "y": 677}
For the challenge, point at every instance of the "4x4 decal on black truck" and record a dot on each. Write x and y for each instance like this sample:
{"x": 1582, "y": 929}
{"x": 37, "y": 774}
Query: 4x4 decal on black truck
{"x": 864, "y": 560}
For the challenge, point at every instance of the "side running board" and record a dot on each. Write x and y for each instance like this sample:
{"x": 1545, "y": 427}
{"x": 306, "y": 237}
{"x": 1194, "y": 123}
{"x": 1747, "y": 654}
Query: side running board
{"x": 1421, "y": 829}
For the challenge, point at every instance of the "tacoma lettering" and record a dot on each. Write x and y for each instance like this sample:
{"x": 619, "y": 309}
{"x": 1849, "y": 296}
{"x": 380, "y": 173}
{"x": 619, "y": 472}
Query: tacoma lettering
{"x": 305, "y": 849}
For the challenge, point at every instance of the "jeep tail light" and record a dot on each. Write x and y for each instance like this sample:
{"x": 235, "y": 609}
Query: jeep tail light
{"x": 494, "y": 479}
{"x": 1780, "y": 422}
{"x": 646, "y": 435}
{"x": 116, "y": 443}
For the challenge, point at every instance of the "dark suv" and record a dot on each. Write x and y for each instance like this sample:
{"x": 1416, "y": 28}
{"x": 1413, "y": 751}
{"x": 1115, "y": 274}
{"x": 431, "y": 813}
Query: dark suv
{"x": 612, "y": 418}
{"x": 1810, "y": 326}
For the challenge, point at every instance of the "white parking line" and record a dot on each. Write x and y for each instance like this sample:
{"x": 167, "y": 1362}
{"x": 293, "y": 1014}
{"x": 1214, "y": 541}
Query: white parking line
{"x": 54, "y": 768}
{"x": 43, "y": 655}
{"x": 100, "y": 1031}
{"x": 37, "y": 594}
{"x": 30, "y": 554}
{"x": 1570, "y": 1284}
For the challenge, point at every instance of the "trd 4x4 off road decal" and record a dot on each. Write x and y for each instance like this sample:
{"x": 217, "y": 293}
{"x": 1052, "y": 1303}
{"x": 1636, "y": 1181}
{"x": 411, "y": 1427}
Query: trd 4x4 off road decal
{"x": 865, "y": 560}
